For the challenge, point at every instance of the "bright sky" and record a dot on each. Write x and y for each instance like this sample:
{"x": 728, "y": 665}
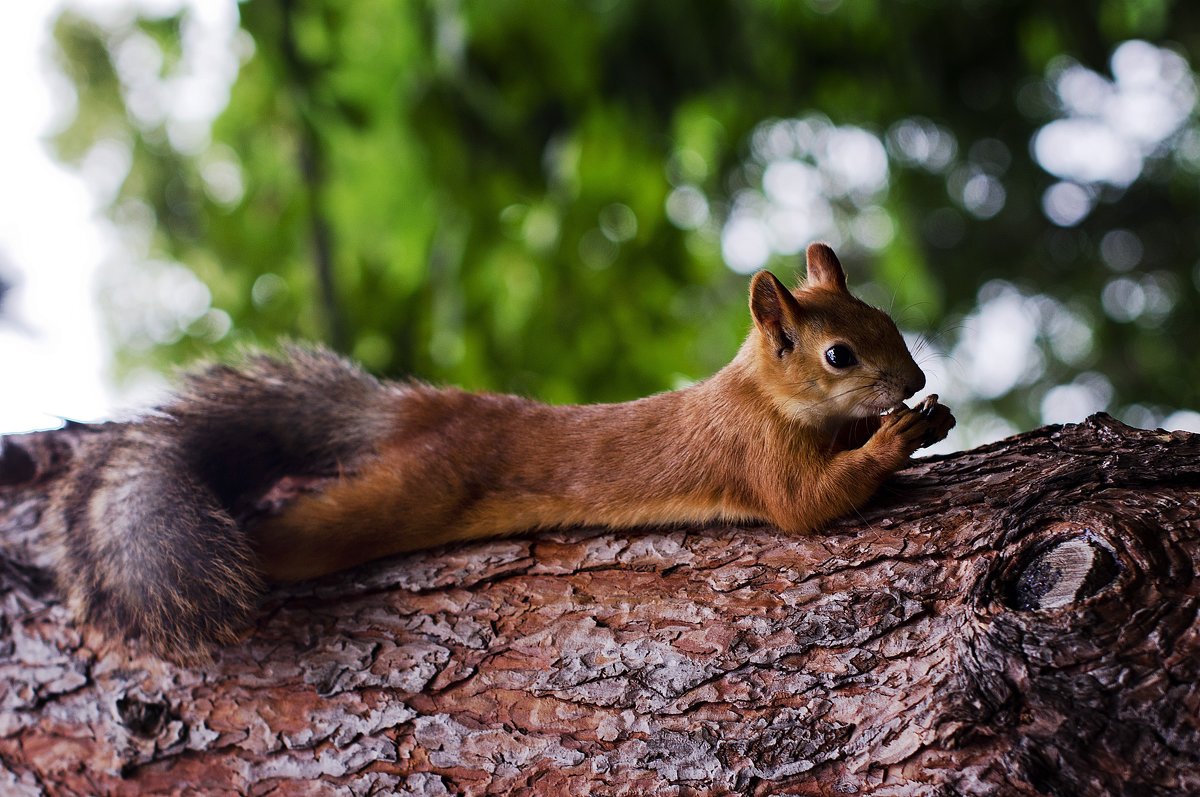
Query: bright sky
{"x": 52, "y": 350}
{"x": 54, "y": 354}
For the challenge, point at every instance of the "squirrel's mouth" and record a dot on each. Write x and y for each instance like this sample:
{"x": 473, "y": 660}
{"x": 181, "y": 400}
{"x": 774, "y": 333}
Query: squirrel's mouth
{"x": 876, "y": 409}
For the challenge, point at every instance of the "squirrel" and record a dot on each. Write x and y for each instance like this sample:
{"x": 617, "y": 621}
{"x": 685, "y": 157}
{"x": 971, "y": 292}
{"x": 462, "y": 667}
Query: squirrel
{"x": 801, "y": 427}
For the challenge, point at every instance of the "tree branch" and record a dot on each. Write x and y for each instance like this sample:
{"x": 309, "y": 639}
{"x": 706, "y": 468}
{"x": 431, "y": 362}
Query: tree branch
{"x": 312, "y": 164}
{"x": 1014, "y": 620}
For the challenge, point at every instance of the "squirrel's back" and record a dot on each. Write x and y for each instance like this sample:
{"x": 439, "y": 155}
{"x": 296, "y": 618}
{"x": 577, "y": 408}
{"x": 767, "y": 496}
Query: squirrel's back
{"x": 148, "y": 543}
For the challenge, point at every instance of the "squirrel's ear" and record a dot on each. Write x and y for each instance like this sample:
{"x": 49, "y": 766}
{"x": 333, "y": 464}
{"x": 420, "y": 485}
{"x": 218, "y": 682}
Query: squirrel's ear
{"x": 775, "y": 311}
{"x": 824, "y": 269}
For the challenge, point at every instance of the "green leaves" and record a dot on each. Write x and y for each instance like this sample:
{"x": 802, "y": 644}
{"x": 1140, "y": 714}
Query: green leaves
{"x": 530, "y": 196}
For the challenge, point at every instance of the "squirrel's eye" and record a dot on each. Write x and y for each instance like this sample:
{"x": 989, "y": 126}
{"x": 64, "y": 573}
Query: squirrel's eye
{"x": 839, "y": 355}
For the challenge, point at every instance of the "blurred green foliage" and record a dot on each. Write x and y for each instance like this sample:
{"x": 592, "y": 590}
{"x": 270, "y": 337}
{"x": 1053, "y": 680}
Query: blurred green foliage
{"x": 478, "y": 192}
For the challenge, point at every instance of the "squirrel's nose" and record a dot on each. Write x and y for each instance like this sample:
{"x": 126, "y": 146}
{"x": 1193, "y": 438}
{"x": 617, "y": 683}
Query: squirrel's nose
{"x": 915, "y": 382}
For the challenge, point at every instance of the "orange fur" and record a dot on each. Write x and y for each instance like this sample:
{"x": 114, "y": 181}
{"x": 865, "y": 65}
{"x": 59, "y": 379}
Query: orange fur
{"x": 777, "y": 435}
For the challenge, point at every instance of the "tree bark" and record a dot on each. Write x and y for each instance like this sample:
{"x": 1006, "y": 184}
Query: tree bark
{"x": 1017, "y": 619}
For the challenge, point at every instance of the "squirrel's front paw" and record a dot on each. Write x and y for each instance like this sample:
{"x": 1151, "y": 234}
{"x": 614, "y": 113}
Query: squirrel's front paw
{"x": 938, "y": 417}
{"x": 923, "y": 425}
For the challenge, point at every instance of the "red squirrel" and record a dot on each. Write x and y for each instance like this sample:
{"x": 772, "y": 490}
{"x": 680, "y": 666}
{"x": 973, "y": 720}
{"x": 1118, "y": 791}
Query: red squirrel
{"x": 795, "y": 431}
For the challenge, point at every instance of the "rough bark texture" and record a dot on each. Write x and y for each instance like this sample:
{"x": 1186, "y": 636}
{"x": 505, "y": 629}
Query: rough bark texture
{"x": 1016, "y": 619}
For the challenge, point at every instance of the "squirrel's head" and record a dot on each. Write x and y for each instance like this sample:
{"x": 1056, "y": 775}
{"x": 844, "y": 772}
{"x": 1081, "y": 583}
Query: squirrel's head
{"x": 822, "y": 354}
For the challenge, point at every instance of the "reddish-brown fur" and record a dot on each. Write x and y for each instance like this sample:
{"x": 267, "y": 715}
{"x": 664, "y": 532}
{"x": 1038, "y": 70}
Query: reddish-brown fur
{"x": 777, "y": 435}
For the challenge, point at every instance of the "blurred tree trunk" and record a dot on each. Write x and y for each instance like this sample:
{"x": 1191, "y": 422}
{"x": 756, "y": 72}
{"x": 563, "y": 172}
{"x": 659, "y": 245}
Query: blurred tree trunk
{"x": 1016, "y": 619}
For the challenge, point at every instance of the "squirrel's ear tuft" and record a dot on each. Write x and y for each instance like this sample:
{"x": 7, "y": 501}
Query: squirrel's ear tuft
{"x": 775, "y": 311}
{"x": 824, "y": 269}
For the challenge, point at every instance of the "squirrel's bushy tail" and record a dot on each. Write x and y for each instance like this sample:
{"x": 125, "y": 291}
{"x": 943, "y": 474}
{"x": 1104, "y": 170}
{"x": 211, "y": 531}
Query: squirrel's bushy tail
{"x": 150, "y": 547}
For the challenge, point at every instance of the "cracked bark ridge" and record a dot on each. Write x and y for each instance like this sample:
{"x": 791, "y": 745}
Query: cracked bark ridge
{"x": 1017, "y": 619}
